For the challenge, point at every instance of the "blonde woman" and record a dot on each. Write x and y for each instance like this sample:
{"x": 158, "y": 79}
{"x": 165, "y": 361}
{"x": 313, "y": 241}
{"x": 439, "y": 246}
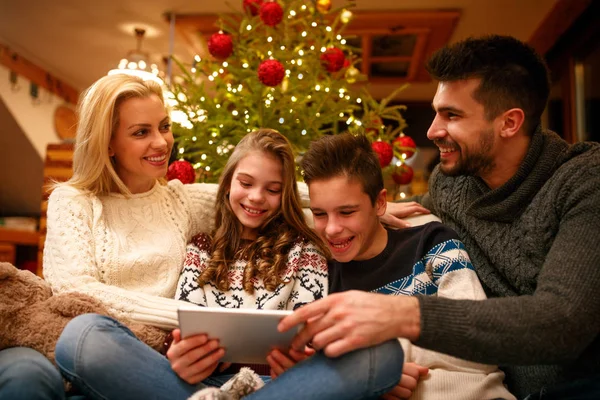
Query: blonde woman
{"x": 116, "y": 230}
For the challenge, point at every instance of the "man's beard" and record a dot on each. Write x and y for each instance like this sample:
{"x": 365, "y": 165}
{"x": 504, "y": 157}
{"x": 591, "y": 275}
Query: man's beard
{"x": 477, "y": 163}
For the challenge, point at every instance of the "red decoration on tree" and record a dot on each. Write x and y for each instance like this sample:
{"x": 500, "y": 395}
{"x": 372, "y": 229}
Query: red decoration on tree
{"x": 403, "y": 174}
{"x": 271, "y": 72}
{"x": 333, "y": 59}
{"x": 384, "y": 151}
{"x": 182, "y": 170}
{"x": 406, "y": 145}
{"x": 220, "y": 45}
{"x": 251, "y": 6}
{"x": 346, "y": 63}
{"x": 271, "y": 13}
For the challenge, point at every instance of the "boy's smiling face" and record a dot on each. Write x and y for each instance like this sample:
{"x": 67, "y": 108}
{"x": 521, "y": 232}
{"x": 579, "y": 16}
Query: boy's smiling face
{"x": 345, "y": 218}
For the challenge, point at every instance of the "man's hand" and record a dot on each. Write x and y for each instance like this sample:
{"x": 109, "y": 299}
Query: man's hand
{"x": 280, "y": 362}
{"x": 396, "y": 211}
{"x": 411, "y": 373}
{"x": 194, "y": 358}
{"x": 343, "y": 322}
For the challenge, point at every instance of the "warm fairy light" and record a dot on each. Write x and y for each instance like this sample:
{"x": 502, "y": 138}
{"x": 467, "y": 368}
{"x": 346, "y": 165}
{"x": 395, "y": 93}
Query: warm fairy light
{"x": 193, "y": 70}
{"x": 234, "y": 113}
{"x": 303, "y": 132}
{"x": 314, "y": 24}
{"x": 304, "y": 34}
{"x": 245, "y": 65}
{"x": 269, "y": 39}
{"x": 318, "y": 87}
{"x": 181, "y": 150}
{"x": 359, "y": 100}
{"x": 225, "y": 64}
{"x": 301, "y": 52}
{"x": 197, "y": 58}
{"x": 328, "y": 29}
{"x": 203, "y": 156}
{"x": 249, "y": 27}
{"x": 300, "y": 76}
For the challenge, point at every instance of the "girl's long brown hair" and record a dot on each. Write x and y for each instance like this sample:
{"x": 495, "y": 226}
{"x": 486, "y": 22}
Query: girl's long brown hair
{"x": 267, "y": 255}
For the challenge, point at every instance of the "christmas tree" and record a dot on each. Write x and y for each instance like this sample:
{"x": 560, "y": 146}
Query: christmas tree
{"x": 284, "y": 65}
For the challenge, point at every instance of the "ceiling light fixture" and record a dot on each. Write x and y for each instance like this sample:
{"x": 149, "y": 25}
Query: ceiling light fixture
{"x": 137, "y": 62}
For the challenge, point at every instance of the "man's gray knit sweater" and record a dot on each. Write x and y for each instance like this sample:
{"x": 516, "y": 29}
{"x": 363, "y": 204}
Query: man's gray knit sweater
{"x": 534, "y": 243}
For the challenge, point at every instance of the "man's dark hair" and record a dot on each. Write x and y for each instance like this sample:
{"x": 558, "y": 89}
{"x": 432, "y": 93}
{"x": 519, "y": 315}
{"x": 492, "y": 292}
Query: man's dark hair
{"x": 344, "y": 155}
{"x": 512, "y": 74}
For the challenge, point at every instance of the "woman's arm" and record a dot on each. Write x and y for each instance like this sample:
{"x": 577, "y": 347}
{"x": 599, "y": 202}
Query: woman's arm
{"x": 70, "y": 266}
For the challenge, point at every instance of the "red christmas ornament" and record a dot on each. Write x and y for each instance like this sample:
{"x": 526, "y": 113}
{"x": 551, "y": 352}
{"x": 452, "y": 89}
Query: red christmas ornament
{"x": 384, "y": 151}
{"x": 271, "y": 13}
{"x": 182, "y": 170}
{"x": 333, "y": 59}
{"x": 251, "y": 6}
{"x": 403, "y": 175}
{"x": 346, "y": 63}
{"x": 271, "y": 72}
{"x": 406, "y": 145}
{"x": 220, "y": 45}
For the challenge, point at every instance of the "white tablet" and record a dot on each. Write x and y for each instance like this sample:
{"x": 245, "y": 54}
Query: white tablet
{"x": 246, "y": 334}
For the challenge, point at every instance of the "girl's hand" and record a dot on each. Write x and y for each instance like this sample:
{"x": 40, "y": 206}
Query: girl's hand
{"x": 280, "y": 362}
{"x": 194, "y": 358}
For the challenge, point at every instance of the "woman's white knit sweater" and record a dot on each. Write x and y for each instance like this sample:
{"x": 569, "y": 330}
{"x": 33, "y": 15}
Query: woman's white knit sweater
{"x": 126, "y": 252}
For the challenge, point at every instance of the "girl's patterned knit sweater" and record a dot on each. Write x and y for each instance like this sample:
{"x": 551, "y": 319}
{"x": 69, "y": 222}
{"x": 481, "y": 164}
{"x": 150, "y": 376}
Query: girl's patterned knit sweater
{"x": 304, "y": 280}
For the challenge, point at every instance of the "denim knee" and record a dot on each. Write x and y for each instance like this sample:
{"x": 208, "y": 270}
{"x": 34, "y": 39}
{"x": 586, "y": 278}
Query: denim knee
{"x": 77, "y": 331}
{"x": 387, "y": 360}
{"x": 27, "y": 374}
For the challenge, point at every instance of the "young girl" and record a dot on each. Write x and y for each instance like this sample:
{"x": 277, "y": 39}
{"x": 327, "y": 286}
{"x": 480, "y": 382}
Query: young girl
{"x": 262, "y": 254}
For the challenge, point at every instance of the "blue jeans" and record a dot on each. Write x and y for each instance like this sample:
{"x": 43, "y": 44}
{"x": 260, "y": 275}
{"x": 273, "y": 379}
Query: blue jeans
{"x": 104, "y": 360}
{"x": 27, "y": 374}
{"x": 361, "y": 374}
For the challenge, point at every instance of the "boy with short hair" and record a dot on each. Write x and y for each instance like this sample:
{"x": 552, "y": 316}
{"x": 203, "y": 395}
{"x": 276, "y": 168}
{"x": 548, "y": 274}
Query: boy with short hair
{"x": 347, "y": 197}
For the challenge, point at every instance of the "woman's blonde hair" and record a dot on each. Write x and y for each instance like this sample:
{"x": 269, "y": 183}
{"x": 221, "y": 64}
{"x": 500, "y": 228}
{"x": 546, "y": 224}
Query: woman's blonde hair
{"x": 267, "y": 255}
{"x": 98, "y": 112}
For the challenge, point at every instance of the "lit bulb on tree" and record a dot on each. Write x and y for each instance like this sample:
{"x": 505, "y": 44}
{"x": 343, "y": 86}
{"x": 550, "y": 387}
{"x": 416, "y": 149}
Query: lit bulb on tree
{"x": 323, "y": 6}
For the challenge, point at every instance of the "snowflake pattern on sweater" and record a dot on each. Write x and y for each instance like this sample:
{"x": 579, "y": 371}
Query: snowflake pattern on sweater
{"x": 304, "y": 280}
